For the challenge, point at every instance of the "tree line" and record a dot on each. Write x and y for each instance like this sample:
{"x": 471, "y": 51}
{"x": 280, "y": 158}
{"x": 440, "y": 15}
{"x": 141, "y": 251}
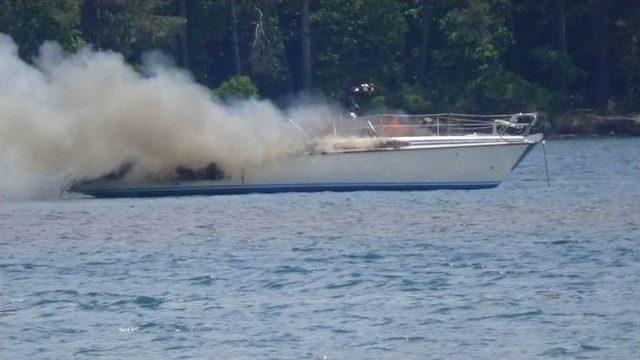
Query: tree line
{"x": 422, "y": 55}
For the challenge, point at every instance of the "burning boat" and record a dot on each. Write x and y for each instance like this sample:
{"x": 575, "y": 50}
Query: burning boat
{"x": 381, "y": 152}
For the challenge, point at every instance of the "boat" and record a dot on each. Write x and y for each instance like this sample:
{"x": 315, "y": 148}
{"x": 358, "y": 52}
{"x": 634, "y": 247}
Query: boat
{"x": 390, "y": 152}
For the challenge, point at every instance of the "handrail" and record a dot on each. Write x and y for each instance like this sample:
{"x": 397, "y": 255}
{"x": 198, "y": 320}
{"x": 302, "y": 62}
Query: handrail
{"x": 442, "y": 124}
{"x": 453, "y": 114}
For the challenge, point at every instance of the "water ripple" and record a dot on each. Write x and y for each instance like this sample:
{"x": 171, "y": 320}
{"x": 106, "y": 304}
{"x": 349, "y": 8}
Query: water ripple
{"x": 522, "y": 271}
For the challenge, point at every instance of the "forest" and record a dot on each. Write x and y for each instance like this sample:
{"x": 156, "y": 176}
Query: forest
{"x": 424, "y": 56}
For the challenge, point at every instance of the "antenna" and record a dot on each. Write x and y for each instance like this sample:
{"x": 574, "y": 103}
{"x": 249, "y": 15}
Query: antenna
{"x": 300, "y": 129}
{"x": 544, "y": 152}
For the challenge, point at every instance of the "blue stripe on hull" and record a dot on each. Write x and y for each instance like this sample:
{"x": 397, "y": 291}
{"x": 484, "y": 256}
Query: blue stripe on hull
{"x": 279, "y": 188}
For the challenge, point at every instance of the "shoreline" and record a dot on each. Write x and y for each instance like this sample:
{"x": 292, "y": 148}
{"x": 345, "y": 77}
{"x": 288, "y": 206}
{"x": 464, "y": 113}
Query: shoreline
{"x": 554, "y": 136}
{"x": 585, "y": 123}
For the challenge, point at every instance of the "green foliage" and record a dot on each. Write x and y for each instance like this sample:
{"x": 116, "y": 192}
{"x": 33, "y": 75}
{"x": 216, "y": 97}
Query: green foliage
{"x": 626, "y": 48}
{"x": 357, "y": 41}
{"x": 378, "y": 102}
{"x": 555, "y": 69}
{"x": 499, "y": 91}
{"x": 209, "y": 47}
{"x": 261, "y": 43}
{"x": 413, "y": 99}
{"x": 267, "y": 47}
{"x": 410, "y": 98}
{"x": 237, "y": 87}
{"x": 475, "y": 37}
{"x": 76, "y": 41}
{"x": 30, "y": 22}
{"x": 423, "y": 55}
{"x": 133, "y": 27}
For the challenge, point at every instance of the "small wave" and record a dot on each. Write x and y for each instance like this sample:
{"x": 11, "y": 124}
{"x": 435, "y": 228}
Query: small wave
{"x": 56, "y": 292}
{"x": 557, "y": 352}
{"x": 344, "y": 284}
{"x": 405, "y": 338}
{"x": 203, "y": 280}
{"x": 508, "y": 316}
{"x": 368, "y": 256}
{"x": 51, "y": 301}
{"x": 276, "y": 285}
{"x": 587, "y": 347}
{"x": 148, "y": 302}
{"x": 286, "y": 269}
{"x": 275, "y": 308}
{"x": 448, "y": 309}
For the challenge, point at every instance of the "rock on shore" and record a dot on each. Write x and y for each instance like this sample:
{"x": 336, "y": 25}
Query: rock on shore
{"x": 589, "y": 123}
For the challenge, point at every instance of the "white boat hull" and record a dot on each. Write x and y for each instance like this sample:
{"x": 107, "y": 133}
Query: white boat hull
{"x": 423, "y": 164}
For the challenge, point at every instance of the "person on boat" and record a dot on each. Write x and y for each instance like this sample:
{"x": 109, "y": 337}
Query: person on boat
{"x": 354, "y": 93}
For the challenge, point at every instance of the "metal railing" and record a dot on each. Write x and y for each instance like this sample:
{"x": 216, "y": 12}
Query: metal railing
{"x": 446, "y": 124}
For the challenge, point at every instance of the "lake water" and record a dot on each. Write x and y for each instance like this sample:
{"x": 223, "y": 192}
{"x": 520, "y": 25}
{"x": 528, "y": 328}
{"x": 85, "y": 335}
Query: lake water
{"x": 517, "y": 272}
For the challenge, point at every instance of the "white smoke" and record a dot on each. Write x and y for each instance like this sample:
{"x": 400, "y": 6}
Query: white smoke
{"x": 82, "y": 115}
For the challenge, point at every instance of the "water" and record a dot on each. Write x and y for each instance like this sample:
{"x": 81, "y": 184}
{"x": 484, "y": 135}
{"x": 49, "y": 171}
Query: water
{"x": 521, "y": 271}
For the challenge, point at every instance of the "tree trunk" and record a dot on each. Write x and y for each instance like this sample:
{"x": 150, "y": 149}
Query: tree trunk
{"x": 512, "y": 59}
{"x": 306, "y": 45}
{"x": 183, "y": 36}
{"x": 6, "y": 13}
{"x": 234, "y": 37}
{"x": 426, "y": 16}
{"x": 561, "y": 44}
{"x": 600, "y": 69}
{"x": 89, "y": 22}
{"x": 288, "y": 77}
{"x": 561, "y": 26}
